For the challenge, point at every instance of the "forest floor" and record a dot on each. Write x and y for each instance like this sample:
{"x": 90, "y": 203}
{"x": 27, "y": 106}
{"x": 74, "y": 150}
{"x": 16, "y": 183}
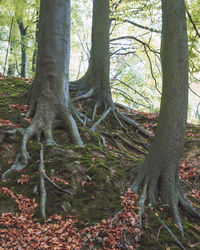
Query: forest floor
{"x": 102, "y": 213}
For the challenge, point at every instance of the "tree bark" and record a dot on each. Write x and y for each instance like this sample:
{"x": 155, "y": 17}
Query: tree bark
{"x": 23, "y": 33}
{"x": 11, "y": 64}
{"x": 35, "y": 52}
{"x": 159, "y": 173}
{"x": 49, "y": 95}
{"x": 96, "y": 80}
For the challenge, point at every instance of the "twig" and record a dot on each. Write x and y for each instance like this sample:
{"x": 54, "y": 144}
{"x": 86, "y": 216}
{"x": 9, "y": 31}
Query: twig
{"x": 137, "y": 92}
{"x": 151, "y": 69}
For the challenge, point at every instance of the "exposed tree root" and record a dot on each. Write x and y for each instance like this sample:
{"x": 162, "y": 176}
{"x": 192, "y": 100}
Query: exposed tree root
{"x": 173, "y": 236}
{"x": 134, "y": 124}
{"x": 43, "y": 124}
{"x": 43, "y": 176}
{"x": 169, "y": 190}
{"x": 84, "y": 96}
{"x": 105, "y": 114}
{"x": 124, "y": 141}
{"x": 107, "y": 101}
{"x": 56, "y": 186}
{"x": 17, "y": 166}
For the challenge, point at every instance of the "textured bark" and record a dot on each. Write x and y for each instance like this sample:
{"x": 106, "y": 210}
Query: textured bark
{"x": 23, "y": 34}
{"x": 49, "y": 95}
{"x": 159, "y": 172}
{"x": 35, "y": 52}
{"x": 96, "y": 78}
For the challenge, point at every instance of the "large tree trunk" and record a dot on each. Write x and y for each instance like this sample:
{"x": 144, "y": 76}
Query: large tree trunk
{"x": 96, "y": 80}
{"x": 159, "y": 173}
{"x": 49, "y": 92}
{"x": 23, "y": 48}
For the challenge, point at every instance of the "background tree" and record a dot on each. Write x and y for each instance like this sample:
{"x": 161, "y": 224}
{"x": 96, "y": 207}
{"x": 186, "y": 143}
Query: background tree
{"x": 159, "y": 173}
{"x": 23, "y": 43}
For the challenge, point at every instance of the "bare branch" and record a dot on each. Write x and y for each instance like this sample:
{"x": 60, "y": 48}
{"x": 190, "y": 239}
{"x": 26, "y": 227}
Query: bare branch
{"x": 136, "y": 39}
{"x": 142, "y": 26}
{"x": 194, "y": 25}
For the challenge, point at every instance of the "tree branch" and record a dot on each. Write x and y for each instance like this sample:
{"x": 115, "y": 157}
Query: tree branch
{"x": 193, "y": 24}
{"x": 142, "y": 26}
{"x": 136, "y": 39}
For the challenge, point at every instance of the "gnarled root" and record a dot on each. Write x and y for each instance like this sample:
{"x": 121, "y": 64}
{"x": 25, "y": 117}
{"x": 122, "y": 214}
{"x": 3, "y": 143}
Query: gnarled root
{"x": 42, "y": 123}
{"x": 169, "y": 190}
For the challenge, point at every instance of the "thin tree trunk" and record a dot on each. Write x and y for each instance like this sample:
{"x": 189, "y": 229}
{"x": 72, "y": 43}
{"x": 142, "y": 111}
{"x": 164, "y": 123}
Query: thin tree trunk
{"x": 35, "y": 52}
{"x": 23, "y": 33}
{"x": 11, "y": 25}
{"x": 11, "y": 63}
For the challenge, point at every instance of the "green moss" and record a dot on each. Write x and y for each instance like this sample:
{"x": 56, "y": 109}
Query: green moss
{"x": 97, "y": 174}
{"x": 147, "y": 242}
{"x": 7, "y": 204}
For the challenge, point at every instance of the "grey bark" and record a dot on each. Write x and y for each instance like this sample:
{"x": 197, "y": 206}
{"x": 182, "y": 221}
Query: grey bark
{"x": 160, "y": 169}
{"x": 96, "y": 80}
{"x": 35, "y": 52}
{"x": 11, "y": 64}
{"x": 97, "y": 75}
{"x": 23, "y": 33}
{"x": 49, "y": 95}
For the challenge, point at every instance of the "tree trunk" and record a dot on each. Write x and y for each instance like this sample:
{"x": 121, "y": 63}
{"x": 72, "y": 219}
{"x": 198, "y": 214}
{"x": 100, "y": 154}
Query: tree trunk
{"x": 159, "y": 173}
{"x": 49, "y": 92}
{"x": 23, "y": 48}
{"x": 96, "y": 80}
{"x": 11, "y": 64}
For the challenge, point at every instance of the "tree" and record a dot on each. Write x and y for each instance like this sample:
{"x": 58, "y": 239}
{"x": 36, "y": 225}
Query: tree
{"x": 34, "y": 57}
{"x": 49, "y": 95}
{"x": 23, "y": 34}
{"x": 96, "y": 81}
{"x": 159, "y": 172}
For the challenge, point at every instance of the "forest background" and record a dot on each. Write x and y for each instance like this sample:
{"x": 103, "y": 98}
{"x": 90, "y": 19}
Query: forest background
{"x": 135, "y": 33}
